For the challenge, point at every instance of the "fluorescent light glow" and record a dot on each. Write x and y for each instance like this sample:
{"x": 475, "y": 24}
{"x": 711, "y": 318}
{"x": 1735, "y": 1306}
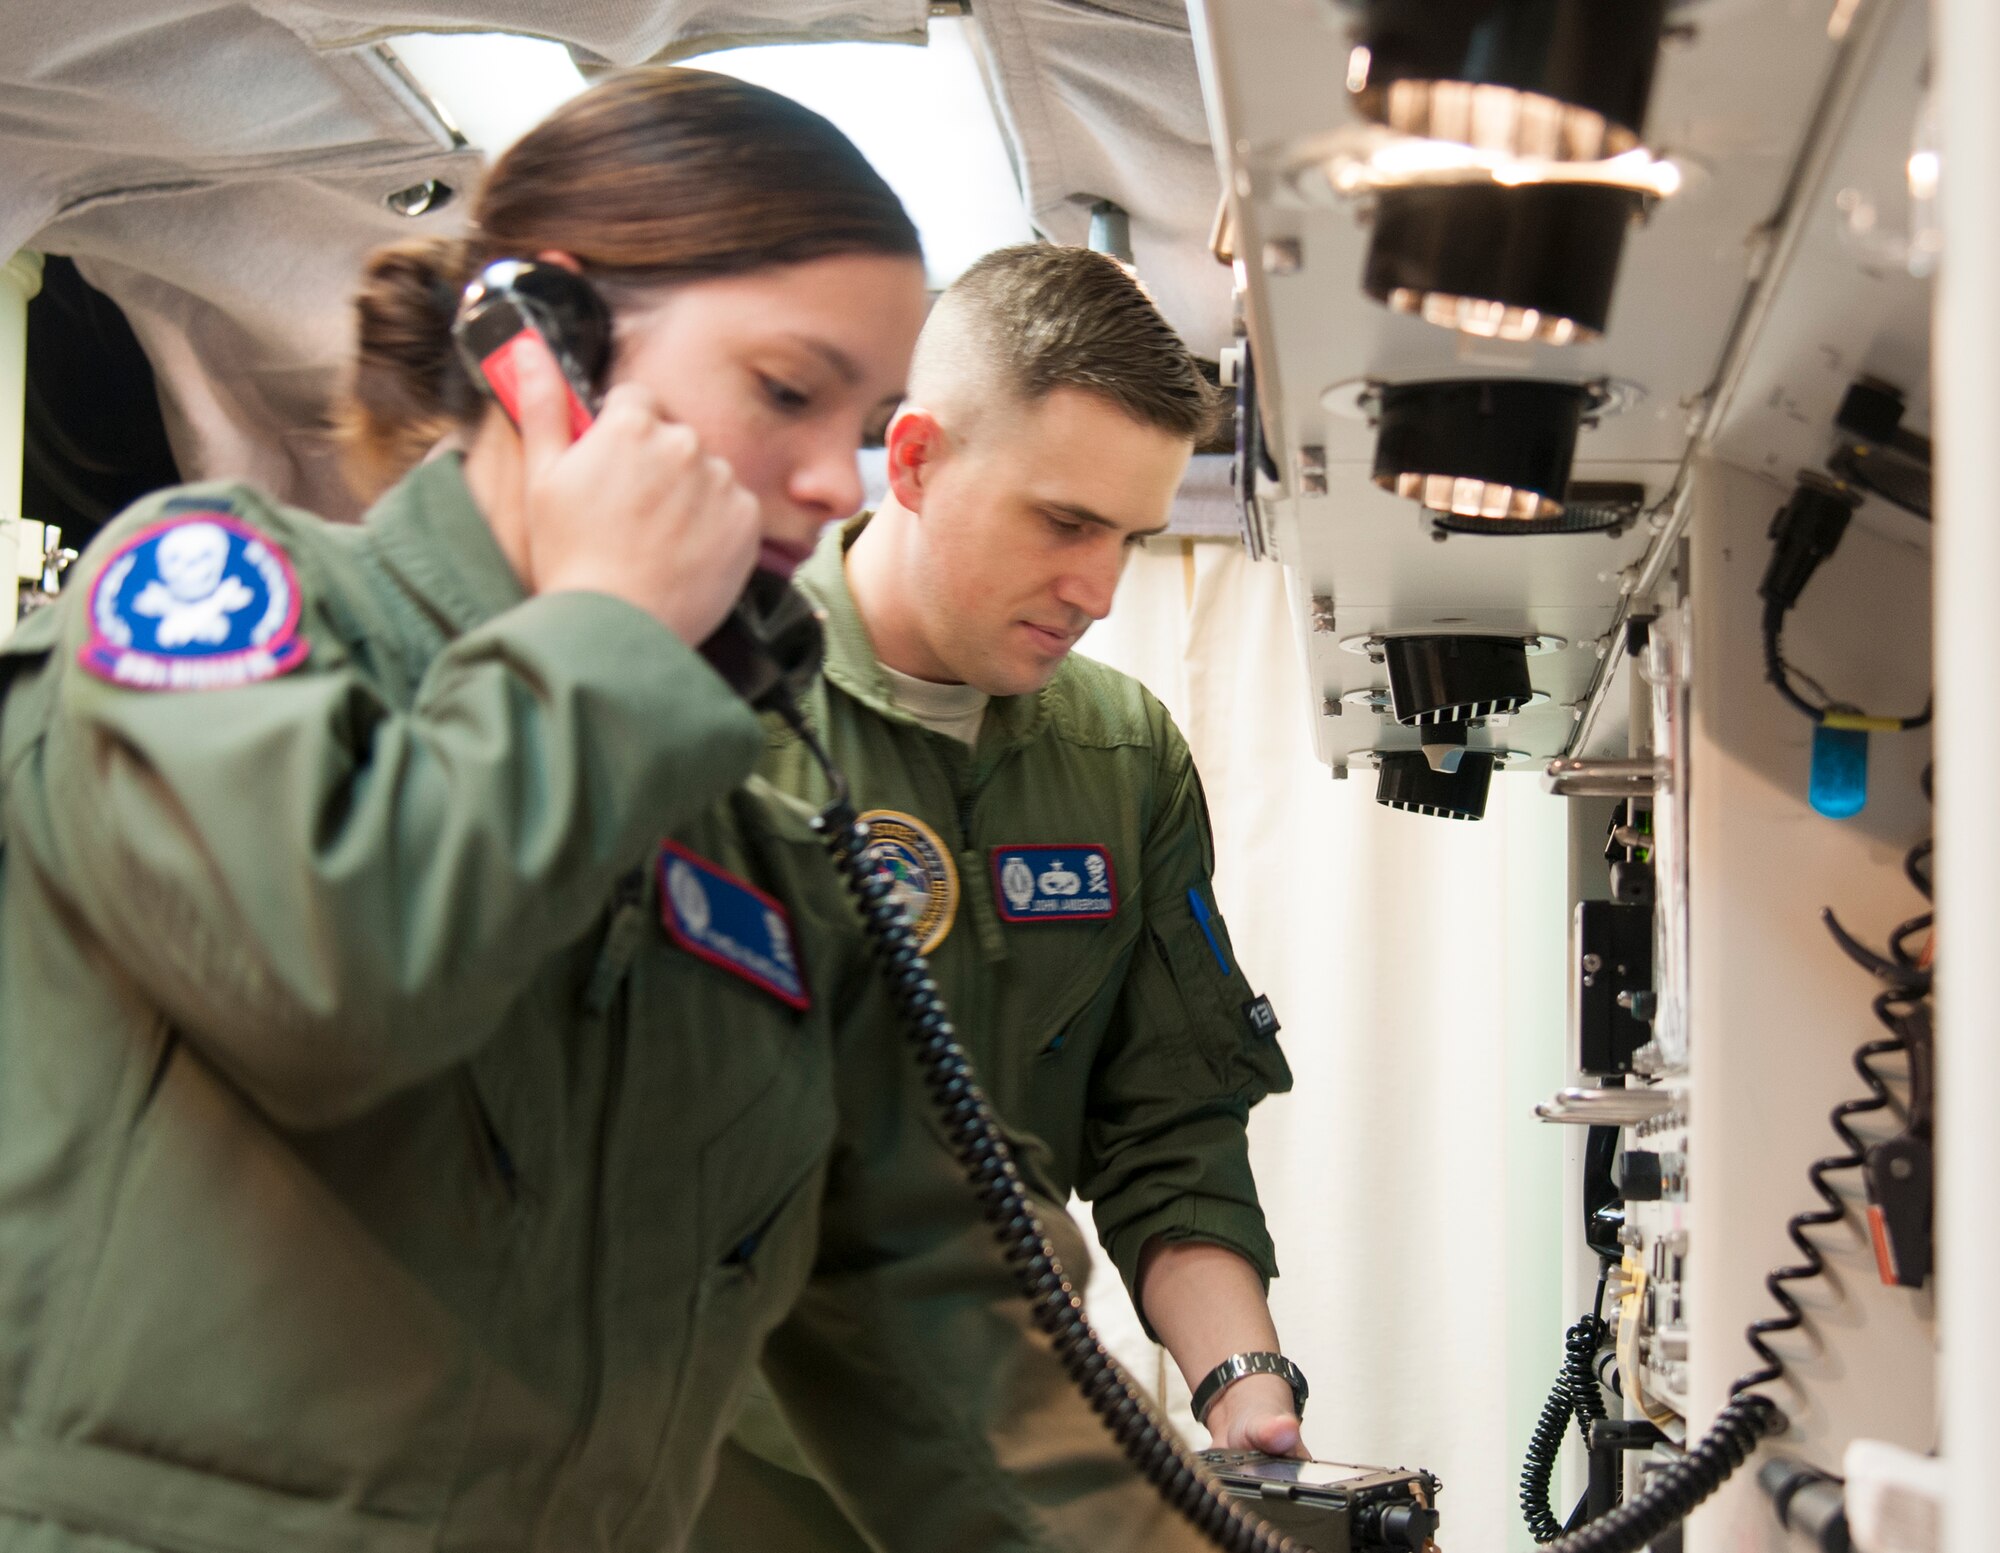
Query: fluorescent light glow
{"x": 1487, "y": 320}
{"x": 1504, "y": 121}
{"x": 1475, "y": 498}
{"x": 1358, "y": 64}
{"x": 1399, "y": 160}
{"x": 493, "y": 86}
{"x": 921, "y": 115}
{"x": 1923, "y": 172}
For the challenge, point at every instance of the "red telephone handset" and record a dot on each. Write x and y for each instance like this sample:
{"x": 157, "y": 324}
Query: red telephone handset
{"x": 770, "y": 646}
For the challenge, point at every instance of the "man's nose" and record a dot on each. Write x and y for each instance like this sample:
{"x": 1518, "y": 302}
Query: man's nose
{"x": 1091, "y": 585}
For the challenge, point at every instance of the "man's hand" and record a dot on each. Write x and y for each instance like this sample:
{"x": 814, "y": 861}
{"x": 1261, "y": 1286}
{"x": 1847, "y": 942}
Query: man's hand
{"x": 633, "y": 508}
{"x": 1207, "y": 1303}
{"x": 1256, "y": 1414}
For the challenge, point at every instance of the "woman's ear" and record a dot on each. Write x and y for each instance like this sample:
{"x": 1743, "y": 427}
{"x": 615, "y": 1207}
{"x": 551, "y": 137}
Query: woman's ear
{"x": 564, "y": 261}
{"x": 915, "y": 445}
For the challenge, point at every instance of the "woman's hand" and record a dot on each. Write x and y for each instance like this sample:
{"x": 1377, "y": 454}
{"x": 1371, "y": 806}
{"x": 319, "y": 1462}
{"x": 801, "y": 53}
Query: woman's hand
{"x": 632, "y": 508}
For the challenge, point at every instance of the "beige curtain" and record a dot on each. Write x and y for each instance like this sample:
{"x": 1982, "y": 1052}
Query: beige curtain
{"x": 1417, "y": 965}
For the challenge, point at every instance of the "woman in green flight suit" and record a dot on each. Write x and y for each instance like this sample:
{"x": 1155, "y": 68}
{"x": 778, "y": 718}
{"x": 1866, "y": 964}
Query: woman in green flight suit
{"x": 402, "y": 1147}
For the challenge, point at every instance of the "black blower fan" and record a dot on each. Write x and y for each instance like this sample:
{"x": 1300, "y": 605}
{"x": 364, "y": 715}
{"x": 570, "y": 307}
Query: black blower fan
{"x": 1407, "y": 782}
{"x": 1442, "y": 685}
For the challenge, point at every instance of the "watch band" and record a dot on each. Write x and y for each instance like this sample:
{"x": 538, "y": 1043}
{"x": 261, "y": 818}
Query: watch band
{"x": 1238, "y": 1365}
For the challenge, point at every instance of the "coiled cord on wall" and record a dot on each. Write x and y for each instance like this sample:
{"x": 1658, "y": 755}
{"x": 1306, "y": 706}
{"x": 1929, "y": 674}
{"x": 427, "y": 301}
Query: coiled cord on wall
{"x": 1676, "y": 1489}
{"x": 1814, "y": 1263}
{"x": 1575, "y": 1395}
{"x": 988, "y": 1162}
{"x": 1749, "y": 1416}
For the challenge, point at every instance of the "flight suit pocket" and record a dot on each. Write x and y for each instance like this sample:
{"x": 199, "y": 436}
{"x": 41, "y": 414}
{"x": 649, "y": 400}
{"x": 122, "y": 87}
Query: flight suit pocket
{"x": 1216, "y": 1014}
{"x": 759, "y": 1256}
{"x": 244, "y": 1321}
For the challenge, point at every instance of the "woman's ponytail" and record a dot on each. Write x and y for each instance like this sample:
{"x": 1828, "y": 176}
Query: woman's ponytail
{"x": 407, "y": 388}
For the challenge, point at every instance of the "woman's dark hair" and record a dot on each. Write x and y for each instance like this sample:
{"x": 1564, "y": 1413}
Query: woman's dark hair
{"x": 651, "y": 178}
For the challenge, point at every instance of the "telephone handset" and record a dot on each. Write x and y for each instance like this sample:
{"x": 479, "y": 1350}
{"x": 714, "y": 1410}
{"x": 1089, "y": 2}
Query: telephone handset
{"x": 770, "y": 646}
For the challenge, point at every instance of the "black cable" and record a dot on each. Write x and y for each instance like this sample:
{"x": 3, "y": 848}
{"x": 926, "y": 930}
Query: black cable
{"x": 1780, "y": 674}
{"x": 988, "y": 1162}
{"x": 1806, "y": 532}
{"x": 1676, "y": 1489}
{"x": 1749, "y": 1416}
{"x": 1814, "y": 1265}
{"x": 1574, "y": 1395}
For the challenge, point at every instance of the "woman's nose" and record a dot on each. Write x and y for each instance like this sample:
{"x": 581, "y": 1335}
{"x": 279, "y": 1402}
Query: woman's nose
{"x": 829, "y": 483}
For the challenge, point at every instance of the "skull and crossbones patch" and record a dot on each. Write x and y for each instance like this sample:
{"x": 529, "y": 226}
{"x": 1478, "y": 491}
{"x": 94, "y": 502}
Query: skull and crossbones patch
{"x": 201, "y": 601}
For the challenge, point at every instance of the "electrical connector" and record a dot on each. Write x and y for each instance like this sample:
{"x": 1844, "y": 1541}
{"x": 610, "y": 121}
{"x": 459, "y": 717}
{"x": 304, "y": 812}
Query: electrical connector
{"x": 1807, "y": 1500}
{"x": 1806, "y": 531}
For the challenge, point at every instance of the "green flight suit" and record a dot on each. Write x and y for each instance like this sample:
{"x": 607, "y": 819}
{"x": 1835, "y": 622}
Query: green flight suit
{"x": 376, "y": 1173}
{"x": 1127, "y": 1043}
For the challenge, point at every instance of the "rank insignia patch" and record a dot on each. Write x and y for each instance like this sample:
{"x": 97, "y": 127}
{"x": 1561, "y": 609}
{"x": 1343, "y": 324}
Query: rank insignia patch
{"x": 199, "y": 602}
{"x": 726, "y": 921}
{"x": 1054, "y": 884}
{"x": 915, "y": 856}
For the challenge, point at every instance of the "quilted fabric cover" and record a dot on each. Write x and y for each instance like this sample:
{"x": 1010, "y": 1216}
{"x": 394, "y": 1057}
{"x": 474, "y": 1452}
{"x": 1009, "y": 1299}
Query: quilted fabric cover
{"x": 220, "y": 169}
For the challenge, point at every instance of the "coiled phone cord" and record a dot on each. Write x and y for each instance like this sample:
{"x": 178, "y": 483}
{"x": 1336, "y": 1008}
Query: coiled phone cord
{"x": 1574, "y": 1395}
{"x": 1676, "y": 1489}
{"x": 988, "y": 1162}
{"x": 1749, "y": 1416}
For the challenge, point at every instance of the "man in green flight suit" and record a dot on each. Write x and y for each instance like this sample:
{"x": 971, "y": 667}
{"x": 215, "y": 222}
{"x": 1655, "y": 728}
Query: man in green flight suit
{"x": 1045, "y": 822}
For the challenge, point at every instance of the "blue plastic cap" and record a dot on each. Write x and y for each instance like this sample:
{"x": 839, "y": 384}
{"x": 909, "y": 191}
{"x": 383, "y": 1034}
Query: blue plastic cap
{"x": 1839, "y": 788}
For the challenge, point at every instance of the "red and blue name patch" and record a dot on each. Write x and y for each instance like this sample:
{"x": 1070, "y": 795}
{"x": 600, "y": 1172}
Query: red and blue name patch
{"x": 730, "y": 923}
{"x": 1036, "y": 883}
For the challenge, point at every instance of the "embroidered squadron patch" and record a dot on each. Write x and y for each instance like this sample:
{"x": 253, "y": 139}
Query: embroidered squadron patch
{"x": 726, "y": 921}
{"x": 916, "y": 857}
{"x": 1054, "y": 884}
{"x": 199, "y": 602}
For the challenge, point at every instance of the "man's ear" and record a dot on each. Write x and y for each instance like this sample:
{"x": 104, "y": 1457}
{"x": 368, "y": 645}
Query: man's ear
{"x": 915, "y": 445}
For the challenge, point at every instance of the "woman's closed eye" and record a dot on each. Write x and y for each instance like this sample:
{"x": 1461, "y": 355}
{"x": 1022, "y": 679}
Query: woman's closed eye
{"x": 783, "y": 395}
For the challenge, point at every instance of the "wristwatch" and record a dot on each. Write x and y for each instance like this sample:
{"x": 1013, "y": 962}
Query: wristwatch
{"x": 1238, "y": 1365}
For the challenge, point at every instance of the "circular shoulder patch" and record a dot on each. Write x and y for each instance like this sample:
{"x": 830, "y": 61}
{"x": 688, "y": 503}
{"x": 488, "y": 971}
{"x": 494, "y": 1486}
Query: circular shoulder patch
{"x": 201, "y": 601}
{"x": 916, "y": 857}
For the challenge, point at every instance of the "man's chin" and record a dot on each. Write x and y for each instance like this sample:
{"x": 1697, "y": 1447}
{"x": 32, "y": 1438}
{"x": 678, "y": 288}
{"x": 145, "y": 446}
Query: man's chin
{"x": 1026, "y": 680}
{"x": 1011, "y": 679}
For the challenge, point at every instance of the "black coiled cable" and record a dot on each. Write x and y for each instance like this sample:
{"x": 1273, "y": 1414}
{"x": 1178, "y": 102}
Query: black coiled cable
{"x": 1814, "y": 1263}
{"x": 988, "y": 1163}
{"x": 1575, "y": 1395}
{"x": 1675, "y": 1490}
{"x": 1749, "y": 1416}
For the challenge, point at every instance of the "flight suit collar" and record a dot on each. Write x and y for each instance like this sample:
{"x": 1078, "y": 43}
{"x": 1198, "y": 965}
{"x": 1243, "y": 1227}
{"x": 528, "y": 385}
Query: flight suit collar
{"x": 433, "y": 535}
{"x": 852, "y": 664}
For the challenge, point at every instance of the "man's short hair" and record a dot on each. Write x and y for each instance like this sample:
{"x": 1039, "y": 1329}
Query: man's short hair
{"x": 1042, "y": 317}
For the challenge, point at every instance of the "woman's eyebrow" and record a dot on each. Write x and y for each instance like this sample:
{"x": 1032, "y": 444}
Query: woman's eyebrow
{"x": 843, "y": 364}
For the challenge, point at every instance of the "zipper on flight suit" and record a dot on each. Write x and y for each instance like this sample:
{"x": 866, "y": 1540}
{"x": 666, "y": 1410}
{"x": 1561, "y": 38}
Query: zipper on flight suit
{"x": 975, "y": 895}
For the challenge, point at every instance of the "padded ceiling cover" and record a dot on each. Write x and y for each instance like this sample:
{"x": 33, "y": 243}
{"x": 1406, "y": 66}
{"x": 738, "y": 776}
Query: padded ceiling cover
{"x": 220, "y": 170}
